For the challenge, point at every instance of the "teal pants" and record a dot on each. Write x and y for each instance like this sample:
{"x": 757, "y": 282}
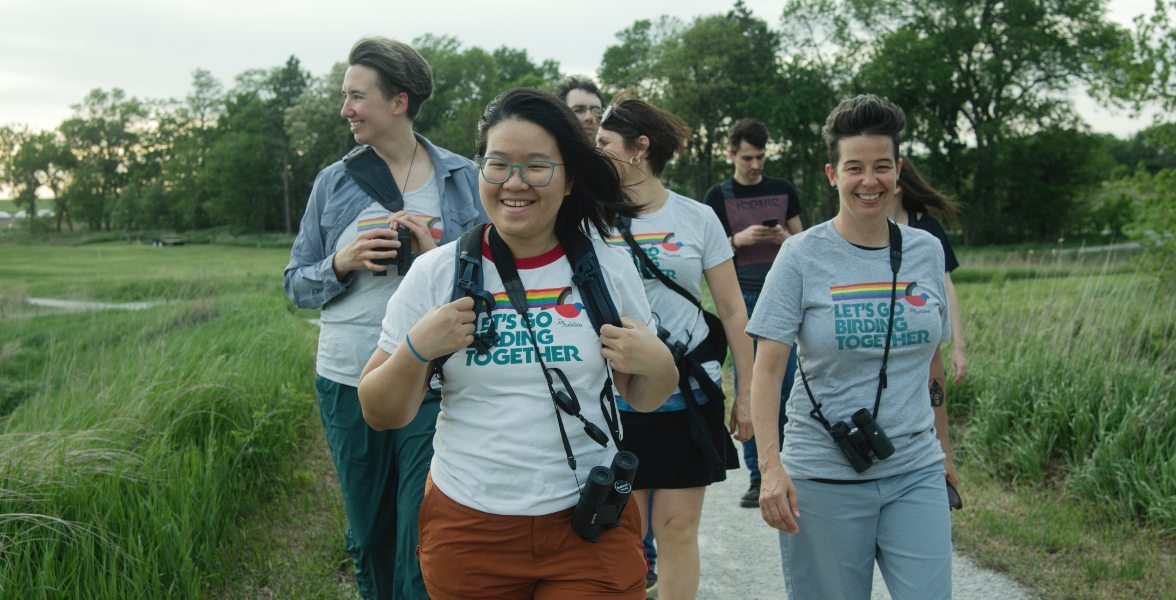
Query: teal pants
{"x": 382, "y": 474}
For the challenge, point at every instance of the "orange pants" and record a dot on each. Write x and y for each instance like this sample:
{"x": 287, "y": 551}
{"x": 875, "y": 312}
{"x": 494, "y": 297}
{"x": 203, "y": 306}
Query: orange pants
{"x": 468, "y": 554}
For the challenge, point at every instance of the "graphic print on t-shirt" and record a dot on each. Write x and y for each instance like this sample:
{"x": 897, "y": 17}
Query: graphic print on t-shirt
{"x": 432, "y": 223}
{"x": 653, "y": 244}
{"x": 745, "y": 212}
{"x": 513, "y": 345}
{"x": 861, "y": 312}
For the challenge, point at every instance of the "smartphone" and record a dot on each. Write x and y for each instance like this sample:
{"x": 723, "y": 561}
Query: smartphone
{"x": 771, "y": 222}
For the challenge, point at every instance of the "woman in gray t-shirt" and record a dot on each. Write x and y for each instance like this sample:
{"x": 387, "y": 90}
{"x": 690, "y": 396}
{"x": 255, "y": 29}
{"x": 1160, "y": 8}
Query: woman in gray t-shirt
{"x": 843, "y": 492}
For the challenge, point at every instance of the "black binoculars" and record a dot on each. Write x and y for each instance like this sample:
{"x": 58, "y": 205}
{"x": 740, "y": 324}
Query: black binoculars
{"x": 677, "y": 349}
{"x": 864, "y": 439}
{"x": 604, "y": 495}
{"x": 404, "y": 256}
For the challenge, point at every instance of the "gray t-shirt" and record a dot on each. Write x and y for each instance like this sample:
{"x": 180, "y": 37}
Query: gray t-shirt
{"x": 832, "y": 299}
{"x": 351, "y": 321}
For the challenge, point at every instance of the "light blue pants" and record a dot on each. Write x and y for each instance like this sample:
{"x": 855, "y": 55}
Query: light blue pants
{"x": 900, "y": 521}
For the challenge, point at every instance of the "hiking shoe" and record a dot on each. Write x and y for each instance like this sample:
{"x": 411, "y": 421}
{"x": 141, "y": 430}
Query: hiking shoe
{"x": 750, "y": 498}
{"x": 650, "y": 584}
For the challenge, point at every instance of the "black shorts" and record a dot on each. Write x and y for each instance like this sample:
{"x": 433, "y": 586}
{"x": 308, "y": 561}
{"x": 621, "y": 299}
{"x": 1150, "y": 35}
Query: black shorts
{"x": 669, "y": 457}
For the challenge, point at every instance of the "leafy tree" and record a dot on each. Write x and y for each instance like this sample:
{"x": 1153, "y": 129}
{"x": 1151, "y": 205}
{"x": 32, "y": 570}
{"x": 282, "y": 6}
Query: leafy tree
{"x": 11, "y": 137}
{"x": 712, "y": 72}
{"x": 286, "y": 83}
{"x": 278, "y": 89}
{"x": 192, "y": 129}
{"x": 318, "y": 135}
{"x": 1044, "y": 183}
{"x": 242, "y": 169}
{"x": 971, "y": 76}
{"x": 104, "y": 135}
{"x": 1142, "y": 71}
{"x": 43, "y": 160}
{"x": 465, "y": 81}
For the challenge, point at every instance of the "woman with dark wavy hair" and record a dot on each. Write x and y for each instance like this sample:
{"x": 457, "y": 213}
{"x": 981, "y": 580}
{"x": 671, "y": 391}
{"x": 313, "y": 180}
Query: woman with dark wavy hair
{"x": 679, "y": 244}
{"x": 496, "y": 520}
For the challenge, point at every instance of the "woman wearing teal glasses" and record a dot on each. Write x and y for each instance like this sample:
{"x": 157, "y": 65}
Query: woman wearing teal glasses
{"x": 497, "y": 516}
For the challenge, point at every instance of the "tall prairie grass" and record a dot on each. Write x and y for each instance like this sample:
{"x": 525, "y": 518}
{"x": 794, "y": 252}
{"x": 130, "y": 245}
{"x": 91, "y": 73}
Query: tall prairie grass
{"x": 1073, "y": 373}
{"x": 138, "y": 438}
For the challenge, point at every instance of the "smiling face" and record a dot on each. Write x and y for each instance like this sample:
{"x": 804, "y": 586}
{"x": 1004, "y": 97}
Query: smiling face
{"x": 865, "y": 176}
{"x": 369, "y": 114}
{"x": 524, "y": 215}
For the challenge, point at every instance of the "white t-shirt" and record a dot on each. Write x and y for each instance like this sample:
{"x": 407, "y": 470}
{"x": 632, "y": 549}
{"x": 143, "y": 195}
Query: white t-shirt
{"x": 683, "y": 238}
{"x": 498, "y": 447}
{"x": 350, "y": 321}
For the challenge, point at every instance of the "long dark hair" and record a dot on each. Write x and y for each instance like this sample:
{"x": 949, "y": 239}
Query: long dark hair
{"x": 918, "y": 195}
{"x": 597, "y": 197}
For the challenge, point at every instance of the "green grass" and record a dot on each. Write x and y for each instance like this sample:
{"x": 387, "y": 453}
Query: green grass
{"x": 1064, "y": 425}
{"x": 135, "y": 441}
{"x": 1074, "y": 382}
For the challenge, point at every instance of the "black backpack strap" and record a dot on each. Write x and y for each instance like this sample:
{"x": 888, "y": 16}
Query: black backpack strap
{"x": 728, "y": 189}
{"x": 372, "y": 175}
{"x": 715, "y": 346}
{"x": 648, "y": 266}
{"x": 588, "y": 277}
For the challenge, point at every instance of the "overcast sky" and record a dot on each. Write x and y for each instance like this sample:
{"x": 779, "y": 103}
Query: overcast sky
{"x": 52, "y": 52}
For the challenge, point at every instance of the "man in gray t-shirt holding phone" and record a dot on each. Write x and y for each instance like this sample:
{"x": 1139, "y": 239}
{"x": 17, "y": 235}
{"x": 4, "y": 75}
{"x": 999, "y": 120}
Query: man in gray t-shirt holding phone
{"x": 758, "y": 213}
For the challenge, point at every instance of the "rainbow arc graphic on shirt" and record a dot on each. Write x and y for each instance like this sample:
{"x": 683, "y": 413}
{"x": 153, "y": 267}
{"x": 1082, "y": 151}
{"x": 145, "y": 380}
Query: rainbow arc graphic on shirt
{"x": 431, "y": 222}
{"x": 907, "y": 291}
{"x": 647, "y": 239}
{"x": 543, "y": 299}
{"x": 373, "y": 223}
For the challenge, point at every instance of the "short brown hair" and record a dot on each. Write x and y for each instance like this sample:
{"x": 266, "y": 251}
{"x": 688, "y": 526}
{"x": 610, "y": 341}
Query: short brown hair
{"x": 666, "y": 132}
{"x": 866, "y": 114}
{"x": 752, "y": 131}
{"x": 399, "y": 67}
{"x": 577, "y": 83}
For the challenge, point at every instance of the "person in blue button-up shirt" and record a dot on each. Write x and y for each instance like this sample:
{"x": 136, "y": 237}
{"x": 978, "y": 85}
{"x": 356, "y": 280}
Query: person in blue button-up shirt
{"x": 394, "y": 178}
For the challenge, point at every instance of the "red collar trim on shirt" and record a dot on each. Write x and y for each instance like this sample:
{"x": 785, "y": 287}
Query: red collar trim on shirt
{"x": 533, "y": 262}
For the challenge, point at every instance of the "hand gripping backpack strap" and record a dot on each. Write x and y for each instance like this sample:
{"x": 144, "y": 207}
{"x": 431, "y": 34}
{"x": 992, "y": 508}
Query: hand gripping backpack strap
{"x": 467, "y": 281}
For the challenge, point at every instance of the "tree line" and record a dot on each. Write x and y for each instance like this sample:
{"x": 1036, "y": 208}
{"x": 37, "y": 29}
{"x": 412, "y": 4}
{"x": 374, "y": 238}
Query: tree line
{"x": 986, "y": 86}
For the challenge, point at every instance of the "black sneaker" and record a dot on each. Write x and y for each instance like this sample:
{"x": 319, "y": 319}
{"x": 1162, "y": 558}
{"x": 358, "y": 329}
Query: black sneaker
{"x": 750, "y": 498}
{"x": 650, "y": 584}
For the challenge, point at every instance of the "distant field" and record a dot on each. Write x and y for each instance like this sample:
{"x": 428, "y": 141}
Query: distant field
{"x": 124, "y": 272}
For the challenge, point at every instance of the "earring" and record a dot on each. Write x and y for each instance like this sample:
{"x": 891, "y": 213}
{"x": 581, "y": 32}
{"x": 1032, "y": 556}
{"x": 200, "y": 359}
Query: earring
{"x": 635, "y": 161}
